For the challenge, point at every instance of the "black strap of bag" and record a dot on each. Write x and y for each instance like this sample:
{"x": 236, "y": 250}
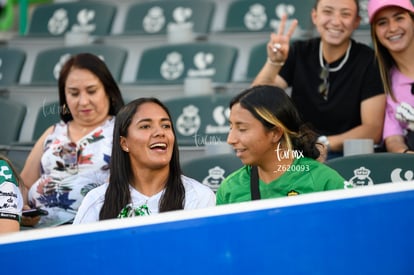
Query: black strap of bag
{"x": 254, "y": 183}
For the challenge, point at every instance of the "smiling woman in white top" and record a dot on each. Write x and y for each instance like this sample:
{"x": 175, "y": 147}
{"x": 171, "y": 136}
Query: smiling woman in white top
{"x": 145, "y": 173}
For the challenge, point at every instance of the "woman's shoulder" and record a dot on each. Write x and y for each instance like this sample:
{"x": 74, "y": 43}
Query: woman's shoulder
{"x": 57, "y": 130}
{"x": 96, "y": 194}
{"x": 362, "y": 50}
{"x": 317, "y": 168}
{"x": 195, "y": 185}
{"x": 242, "y": 172}
{"x": 313, "y": 164}
{"x": 102, "y": 134}
{"x": 197, "y": 195}
{"x": 91, "y": 205}
{"x": 107, "y": 126}
{"x": 306, "y": 45}
{"x": 110, "y": 122}
{"x": 237, "y": 178}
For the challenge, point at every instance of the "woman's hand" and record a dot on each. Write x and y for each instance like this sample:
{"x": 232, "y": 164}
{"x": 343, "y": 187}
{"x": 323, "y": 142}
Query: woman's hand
{"x": 323, "y": 152}
{"x": 29, "y": 221}
{"x": 278, "y": 46}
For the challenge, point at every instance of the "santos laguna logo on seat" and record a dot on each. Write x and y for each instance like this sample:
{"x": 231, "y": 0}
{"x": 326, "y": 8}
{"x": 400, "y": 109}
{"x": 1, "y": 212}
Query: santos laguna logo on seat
{"x": 362, "y": 176}
{"x": 189, "y": 121}
{"x": 206, "y": 127}
{"x": 221, "y": 116}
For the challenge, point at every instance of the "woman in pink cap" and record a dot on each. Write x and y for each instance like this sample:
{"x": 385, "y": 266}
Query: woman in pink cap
{"x": 392, "y": 30}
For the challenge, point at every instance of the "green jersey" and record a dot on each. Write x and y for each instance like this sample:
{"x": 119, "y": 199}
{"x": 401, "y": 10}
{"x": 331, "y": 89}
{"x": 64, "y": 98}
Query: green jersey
{"x": 303, "y": 176}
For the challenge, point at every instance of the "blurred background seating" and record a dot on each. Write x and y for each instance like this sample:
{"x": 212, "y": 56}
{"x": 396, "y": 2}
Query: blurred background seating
{"x": 12, "y": 115}
{"x": 11, "y": 64}
{"x": 48, "y": 62}
{"x": 375, "y": 168}
{"x": 144, "y": 24}
{"x": 153, "y": 17}
{"x": 232, "y": 33}
{"x": 56, "y": 19}
{"x": 49, "y": 23}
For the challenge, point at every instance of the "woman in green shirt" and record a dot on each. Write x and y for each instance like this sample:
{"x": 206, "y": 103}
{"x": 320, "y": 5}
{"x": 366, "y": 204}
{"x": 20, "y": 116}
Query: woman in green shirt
{"x": 279, "y": 151}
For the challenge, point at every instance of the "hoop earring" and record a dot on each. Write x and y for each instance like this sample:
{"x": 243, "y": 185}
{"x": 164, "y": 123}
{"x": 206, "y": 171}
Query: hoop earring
{"x": 65, "y": 110}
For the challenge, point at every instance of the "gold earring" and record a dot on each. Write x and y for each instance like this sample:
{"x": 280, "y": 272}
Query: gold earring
{"x": 65, "y": 110}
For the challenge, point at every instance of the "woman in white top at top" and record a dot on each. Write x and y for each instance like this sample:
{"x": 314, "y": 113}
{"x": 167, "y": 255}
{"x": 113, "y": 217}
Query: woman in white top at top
{"x": 145, "y": 173}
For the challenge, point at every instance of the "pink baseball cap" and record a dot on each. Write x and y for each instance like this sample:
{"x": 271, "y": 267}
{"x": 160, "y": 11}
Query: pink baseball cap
{"x": 375, "y": 5}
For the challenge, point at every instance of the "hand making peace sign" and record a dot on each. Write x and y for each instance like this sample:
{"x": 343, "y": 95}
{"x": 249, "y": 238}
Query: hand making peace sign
{"x": 278, "y": 46}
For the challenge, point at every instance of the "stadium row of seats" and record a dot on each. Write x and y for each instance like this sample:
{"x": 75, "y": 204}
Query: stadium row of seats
{"x": 161, "y": 73}
{"x": 199, "y": 119}
{"x": 245, "y": 29}
{"x": 166, "y": 64}
{"x": 143, "y": 24}
{"x": 140, "y": 25}
{"x": 152, "y": 17}
{"x": 227, "y": 45}
{"x": 201, "y": 122}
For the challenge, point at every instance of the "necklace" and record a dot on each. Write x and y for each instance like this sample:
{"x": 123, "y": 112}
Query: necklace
{"x": 342, "y": 62}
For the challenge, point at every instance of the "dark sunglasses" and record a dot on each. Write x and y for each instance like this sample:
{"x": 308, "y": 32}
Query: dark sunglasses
{"x": 324, "y": 87}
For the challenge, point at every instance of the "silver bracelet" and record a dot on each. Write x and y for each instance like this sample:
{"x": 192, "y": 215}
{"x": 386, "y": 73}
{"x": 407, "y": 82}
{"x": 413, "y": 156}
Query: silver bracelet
{"x": 276, "y": 64}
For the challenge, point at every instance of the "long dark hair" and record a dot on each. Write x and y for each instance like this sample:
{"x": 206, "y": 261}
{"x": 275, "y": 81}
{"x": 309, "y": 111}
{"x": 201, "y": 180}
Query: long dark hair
{"x": 274, "y": 108}
{"x": 97, "y": 67}
{"x": 117, "y": 195}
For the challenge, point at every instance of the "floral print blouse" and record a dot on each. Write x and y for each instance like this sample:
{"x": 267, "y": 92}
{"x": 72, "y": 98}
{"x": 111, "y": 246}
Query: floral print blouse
{"x": 70, "y": 170}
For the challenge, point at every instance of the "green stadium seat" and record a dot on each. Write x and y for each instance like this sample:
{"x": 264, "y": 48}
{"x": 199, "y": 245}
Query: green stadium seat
{"x": 48, "y": 115}
{"x": 55, "y": 19}
{"x": 257, "y": 59}
{"x": 12, "y": 115}
{"x": 11, "y": 64}
{"x": 171, "y": 64}
{"x": 375, "y": 168}
{"x": 200, "y": 120}
{"x": 153, "y": 17}
{"x": 264, "y": 15}
{"x": 48, "y": 62}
